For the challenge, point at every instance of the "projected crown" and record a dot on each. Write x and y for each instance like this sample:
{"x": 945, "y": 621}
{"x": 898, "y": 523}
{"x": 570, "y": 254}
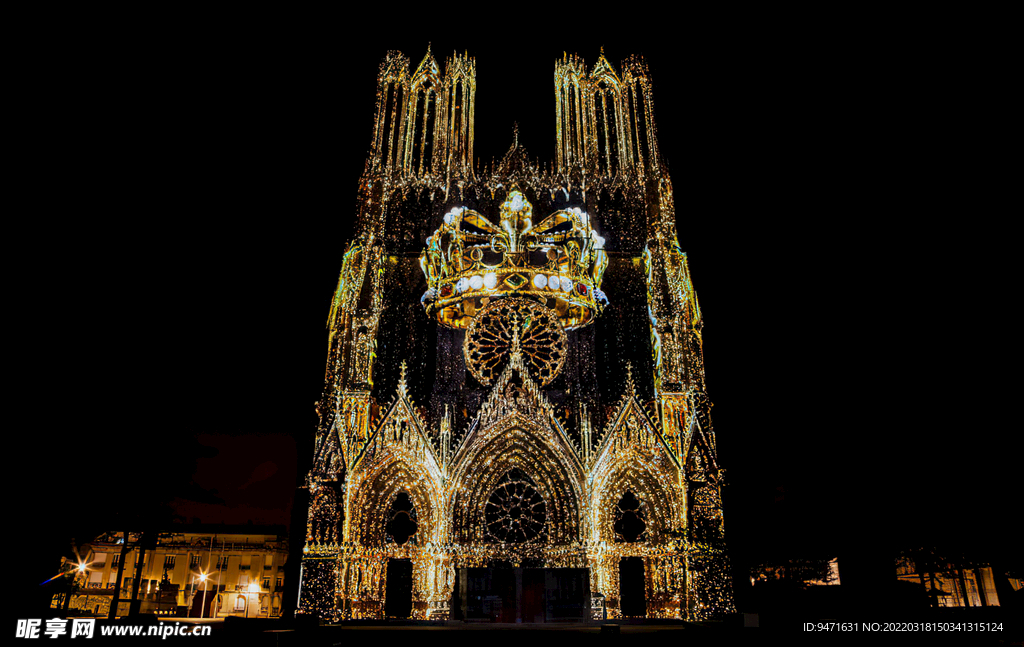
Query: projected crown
{"x": 470, "y": 261}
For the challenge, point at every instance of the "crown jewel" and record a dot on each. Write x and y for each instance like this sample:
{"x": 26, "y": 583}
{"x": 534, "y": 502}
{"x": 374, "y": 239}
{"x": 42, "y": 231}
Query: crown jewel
{"x": 470, "y": 261}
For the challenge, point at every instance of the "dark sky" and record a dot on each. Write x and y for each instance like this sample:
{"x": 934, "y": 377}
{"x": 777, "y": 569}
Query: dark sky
{"x": 207, "y": 192}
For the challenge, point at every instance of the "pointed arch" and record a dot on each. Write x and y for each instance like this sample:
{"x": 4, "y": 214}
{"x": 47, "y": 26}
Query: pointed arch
{"x": 633, "y": 456}
{"x": 421, "y": 116}
{"x": 374, "y": 491}
{"x": 392, "y": 90}
{"x": 515, "y": 443}
{"x": 660, "y": 506}
{"x": 398, "y": 456}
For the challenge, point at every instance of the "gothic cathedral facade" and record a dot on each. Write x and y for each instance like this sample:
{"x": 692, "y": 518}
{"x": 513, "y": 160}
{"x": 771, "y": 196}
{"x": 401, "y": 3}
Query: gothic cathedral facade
{"x": 514, "y": 390}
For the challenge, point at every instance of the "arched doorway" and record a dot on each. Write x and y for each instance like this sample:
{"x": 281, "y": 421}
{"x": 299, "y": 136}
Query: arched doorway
{"x": 398, "y": 592}
{"x": 630, "y": 527}
{"x": 400, "y": 528}
{"x": 632, "y": 596}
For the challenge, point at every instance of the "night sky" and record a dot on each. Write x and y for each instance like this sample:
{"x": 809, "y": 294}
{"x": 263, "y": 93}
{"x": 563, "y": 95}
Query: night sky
{"x": 207, "y": 192}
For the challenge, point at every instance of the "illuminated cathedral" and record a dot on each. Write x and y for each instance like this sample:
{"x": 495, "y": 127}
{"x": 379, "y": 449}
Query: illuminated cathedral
{"x": 514, "y": 424}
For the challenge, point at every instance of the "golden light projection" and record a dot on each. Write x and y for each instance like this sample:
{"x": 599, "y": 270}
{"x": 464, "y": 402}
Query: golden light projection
{"x": 541, "y": 338}
{"x": 515, "y": 382}
{"x": 470, "y": 261}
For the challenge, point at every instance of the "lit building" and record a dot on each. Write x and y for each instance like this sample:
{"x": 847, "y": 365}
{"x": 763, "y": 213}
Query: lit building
{"x": 213, "y": 572}
{"x": 950, "y": 585}
{"x": 808, "y": 572}
{"x": 515, "y": 424}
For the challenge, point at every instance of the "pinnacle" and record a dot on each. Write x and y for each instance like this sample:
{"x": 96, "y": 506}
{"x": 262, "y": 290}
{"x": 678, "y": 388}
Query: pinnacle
{"x": 516, "y": 351}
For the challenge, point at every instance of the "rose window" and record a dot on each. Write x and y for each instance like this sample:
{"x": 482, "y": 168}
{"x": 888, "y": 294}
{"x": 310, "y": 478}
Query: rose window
{"x": 489, "y": 340}
{"x": 515, "y": 513}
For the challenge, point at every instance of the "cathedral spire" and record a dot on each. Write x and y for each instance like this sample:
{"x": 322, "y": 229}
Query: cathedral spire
{"x": 604, "y": 72}
{"x": 428, "y": 65}
{"x": 401, "y": 379}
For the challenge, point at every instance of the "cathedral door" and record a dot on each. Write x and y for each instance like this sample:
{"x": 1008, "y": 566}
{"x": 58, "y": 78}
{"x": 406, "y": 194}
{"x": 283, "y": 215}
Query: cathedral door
{"x": 533, "y": 595}
{"x": 632, "y": 597}
{"x": 503, "y": 581}
{"x": 398, "y": 594}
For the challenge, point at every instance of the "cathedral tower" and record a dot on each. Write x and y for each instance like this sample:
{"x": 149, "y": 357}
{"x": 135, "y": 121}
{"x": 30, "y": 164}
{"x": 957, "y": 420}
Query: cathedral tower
{"x": 514, "y": 423}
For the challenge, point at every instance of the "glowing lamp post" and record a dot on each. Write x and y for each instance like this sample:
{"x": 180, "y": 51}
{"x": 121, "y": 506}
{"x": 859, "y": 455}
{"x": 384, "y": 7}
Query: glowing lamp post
{"x": 85, "y": 583}
{"x": 202, "y": 609}
{"x": 254, "y": 589}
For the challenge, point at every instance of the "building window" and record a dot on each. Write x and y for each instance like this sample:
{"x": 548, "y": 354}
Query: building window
{"x": 169, "y": 561}
{"x": 280, "y": 583}
{"x": 116, "y": 560}
{"x": 196, "y": 561}
{"x": 240, "y": 603}
{"x": 266, "y": 583}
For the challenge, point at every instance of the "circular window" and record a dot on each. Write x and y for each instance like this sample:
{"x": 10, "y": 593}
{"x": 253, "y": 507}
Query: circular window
{"x": 515, "y": 513}
{"x": 489, "y": 339}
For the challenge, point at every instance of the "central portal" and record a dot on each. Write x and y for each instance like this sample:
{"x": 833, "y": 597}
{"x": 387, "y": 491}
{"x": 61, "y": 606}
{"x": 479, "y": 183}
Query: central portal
{"x": 517, "y": 595}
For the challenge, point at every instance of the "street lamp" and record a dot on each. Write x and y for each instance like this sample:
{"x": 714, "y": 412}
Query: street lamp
{"x": 85, "y": 583}
{"x": 202, "y": 609}
{"x": 253, "y": 588}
